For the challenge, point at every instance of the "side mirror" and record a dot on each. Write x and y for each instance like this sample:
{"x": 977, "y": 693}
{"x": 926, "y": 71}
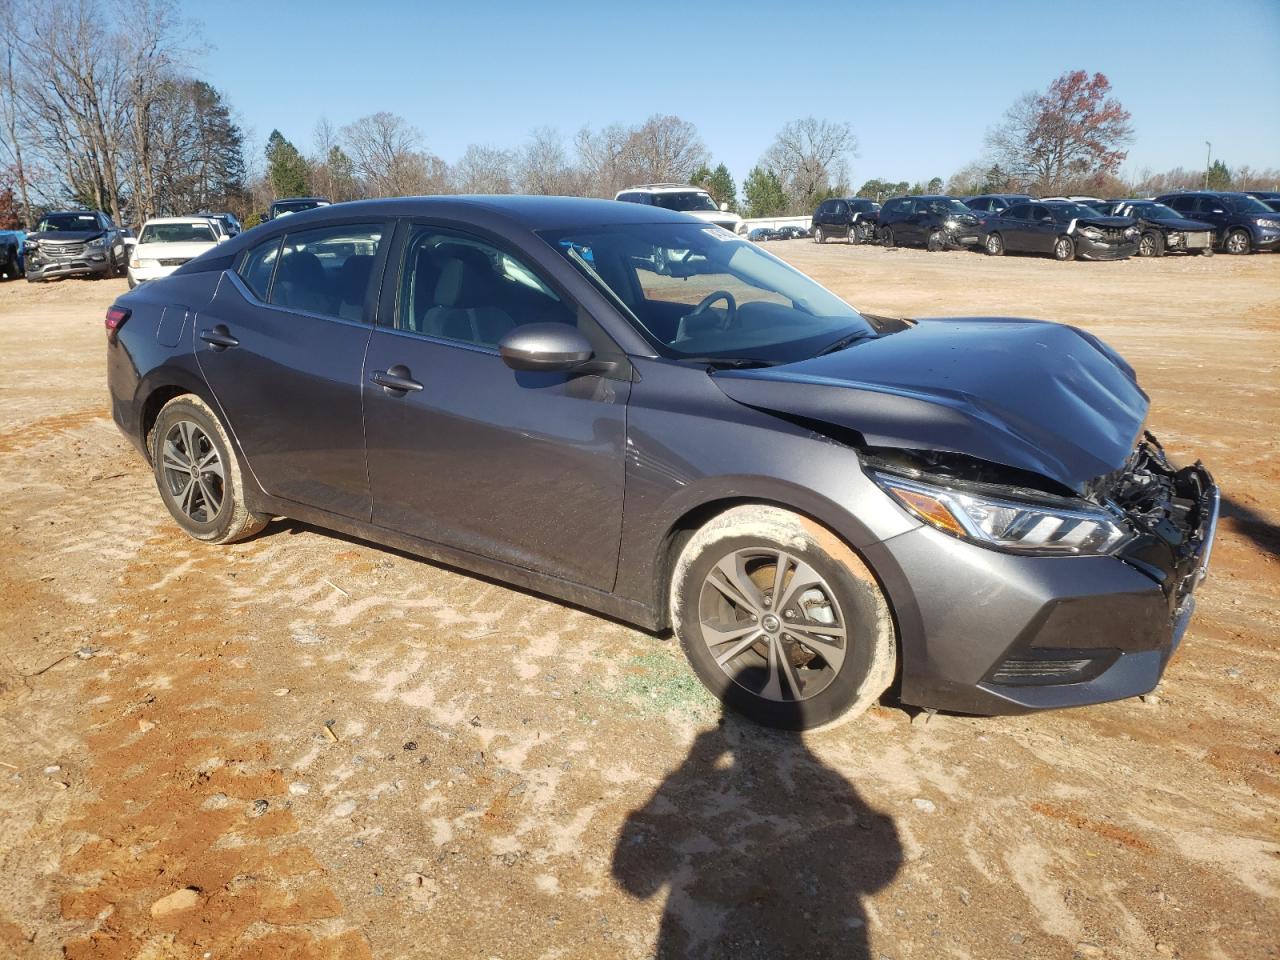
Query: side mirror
{"x": 724, "y": 207}
{"x": 130, "y": 242}
{"x": 1217, "y": 210}
{"x": 545, "y": 346}
{"x": 1047, "y": 218}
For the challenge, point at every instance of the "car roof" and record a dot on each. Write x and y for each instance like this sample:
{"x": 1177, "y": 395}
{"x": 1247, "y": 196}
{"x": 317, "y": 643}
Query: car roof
{"x": 664, "y": 188}
{"x": 198, "y": 218}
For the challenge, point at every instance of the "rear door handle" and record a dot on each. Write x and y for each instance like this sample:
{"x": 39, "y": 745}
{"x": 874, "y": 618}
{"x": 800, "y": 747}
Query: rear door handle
{"x": 396, "y": 380}
{"x": 219, "y": 338}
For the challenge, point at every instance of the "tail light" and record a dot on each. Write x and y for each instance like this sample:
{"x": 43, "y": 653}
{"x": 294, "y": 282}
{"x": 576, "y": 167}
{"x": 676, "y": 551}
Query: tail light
{"x": 116, "y": 316}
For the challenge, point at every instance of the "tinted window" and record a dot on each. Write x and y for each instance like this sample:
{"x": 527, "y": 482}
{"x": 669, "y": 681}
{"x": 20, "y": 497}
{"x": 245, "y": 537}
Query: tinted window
{"x": 1182, "y": 204}
{"x": 896, "y": 207}
{"x": 684, "y": 202}
{"x": 824, "y": 207}
{"x": 459, "y": 288}
{"x": 1021, "y": 211}
{"x": 327, "y": 270}
{"x": 70, "y": 222}
{"x": 1246, "y": 204}
{"x": 258, "y": 265}
{"x": 841, "y": 208}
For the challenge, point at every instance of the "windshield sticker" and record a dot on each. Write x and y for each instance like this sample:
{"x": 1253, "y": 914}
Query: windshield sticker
{"x": 719, "y": 233}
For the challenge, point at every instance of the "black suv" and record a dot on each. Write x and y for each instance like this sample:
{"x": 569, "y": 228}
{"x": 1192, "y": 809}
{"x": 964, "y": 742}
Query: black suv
{"x": 994, "y": 202}
{"x": 1243, "y": 223}
{"x": 853, "y": 218}
{"x": 75, "y": 243}
{"x": 1270, "y": 197}
{"x": 934, "y": 222}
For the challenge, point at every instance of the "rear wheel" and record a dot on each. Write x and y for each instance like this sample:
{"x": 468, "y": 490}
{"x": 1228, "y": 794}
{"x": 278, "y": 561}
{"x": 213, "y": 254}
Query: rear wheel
{"x": 994, "y": 245}
{"x": 1151, "y": 245}
{"x": 819, "y": 236}
{"x": 886, "y": 237}
{"x": 1237, "y": 242}
{"x": 198, "y": 474}
{"x": 781, "y": 620}
{"x": 1064, "y": 248}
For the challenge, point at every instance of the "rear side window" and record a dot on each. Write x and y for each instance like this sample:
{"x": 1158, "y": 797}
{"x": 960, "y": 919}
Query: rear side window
{"x": 258, "y": 265}
{"x": 1021, "y": 211}
{"x": 326, "y": 271}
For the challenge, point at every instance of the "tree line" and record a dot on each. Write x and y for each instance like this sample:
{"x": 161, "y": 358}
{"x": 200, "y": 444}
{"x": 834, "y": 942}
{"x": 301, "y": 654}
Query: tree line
{"x": 109, "y": 117}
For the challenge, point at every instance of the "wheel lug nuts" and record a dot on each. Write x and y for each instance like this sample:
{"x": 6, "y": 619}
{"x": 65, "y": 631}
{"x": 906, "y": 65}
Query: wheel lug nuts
{"x": 790, "y": 614}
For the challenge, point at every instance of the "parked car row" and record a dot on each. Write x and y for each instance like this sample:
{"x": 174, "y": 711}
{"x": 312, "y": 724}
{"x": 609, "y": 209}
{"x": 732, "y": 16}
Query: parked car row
{"x": 1065, "y": 228}
{"x": 788, "y": 232}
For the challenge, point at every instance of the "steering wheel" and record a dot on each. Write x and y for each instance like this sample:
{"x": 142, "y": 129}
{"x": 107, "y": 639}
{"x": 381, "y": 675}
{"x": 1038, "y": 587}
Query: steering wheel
{"x": 730, "y": 314}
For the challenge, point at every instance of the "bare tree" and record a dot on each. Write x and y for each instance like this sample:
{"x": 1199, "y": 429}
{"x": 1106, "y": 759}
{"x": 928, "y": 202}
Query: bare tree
{"x": 665, "y": 149}
{"x": 605, "y": 165}
{"x": 483, "y": 169}
{"x": 9, "y": 115}
{"x": 810, "y": 157}
{"x": 389, "y": 159}
{"x": 543, "y": 165}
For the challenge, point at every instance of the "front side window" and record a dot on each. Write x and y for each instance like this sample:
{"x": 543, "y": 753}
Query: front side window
{"x": 258, "y": 265}
{"x": 457, "y": 287}
{"x": 699, "y": 291}
{"x": 1021, "y": 211}
{"x": 326, "y": 271}
{"x": 177, "y": 233}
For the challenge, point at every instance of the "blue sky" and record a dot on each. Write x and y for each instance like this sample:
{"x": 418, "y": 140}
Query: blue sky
{"x": 919, "y": 81}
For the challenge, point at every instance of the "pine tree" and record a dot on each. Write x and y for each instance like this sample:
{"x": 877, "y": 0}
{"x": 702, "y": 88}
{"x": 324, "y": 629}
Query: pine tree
{"x": 286, "y": 167}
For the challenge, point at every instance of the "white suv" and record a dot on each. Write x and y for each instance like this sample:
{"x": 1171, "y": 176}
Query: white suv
{"x": 684, "y": 199}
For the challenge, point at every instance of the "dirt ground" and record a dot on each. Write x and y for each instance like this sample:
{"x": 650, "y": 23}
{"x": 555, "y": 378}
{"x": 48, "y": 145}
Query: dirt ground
{"x": 305, "y": 746}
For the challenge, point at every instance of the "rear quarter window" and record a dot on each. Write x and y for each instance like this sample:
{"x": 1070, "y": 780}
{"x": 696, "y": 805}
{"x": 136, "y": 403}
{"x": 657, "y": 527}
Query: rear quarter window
{"x": 257, "y": 266}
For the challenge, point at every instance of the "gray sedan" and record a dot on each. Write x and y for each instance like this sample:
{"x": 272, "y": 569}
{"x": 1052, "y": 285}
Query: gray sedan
{"x": 640, "y": 413}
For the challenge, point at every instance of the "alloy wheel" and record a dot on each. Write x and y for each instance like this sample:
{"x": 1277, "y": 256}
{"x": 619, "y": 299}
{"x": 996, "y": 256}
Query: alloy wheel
{"x": 1238, "y": 242}
{"x": 772, "y": 624}
{"x": 1147, "y": 246}
{"x": 193, "y": 471}
{"x": 995, "y": 246}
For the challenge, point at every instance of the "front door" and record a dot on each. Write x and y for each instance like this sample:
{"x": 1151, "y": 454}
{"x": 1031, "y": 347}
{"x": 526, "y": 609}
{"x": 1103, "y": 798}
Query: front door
{"x": 282, "y": 346}
{"x": 521, "y": 467}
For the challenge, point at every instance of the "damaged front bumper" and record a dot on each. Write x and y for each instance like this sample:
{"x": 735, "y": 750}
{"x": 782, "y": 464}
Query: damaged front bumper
{"x": 991, "y": 632}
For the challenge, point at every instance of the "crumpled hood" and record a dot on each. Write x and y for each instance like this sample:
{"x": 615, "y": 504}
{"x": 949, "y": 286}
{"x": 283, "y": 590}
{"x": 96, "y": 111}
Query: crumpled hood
{"x": 1029, "y": 394}
{"x": 1109, "y": 223}
{"x": 64, "y": 236}
{"x": 1188, "y": 226}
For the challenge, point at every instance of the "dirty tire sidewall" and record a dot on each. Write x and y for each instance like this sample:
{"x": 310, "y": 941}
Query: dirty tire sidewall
{"x": 871, "y": 658}
{"x": 234, "y": 521}
{"x": 887, "y": 237}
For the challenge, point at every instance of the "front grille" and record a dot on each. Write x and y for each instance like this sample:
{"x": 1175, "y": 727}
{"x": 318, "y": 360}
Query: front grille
{"x": 62, "y": 251}
{"x": 173, "y": 261}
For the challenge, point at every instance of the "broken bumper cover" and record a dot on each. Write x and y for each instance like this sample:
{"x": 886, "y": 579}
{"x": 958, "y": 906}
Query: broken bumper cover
{"x": 1088, "y": 249}
{"x": 87, "y": 266}
{"x": 989, "y": 632}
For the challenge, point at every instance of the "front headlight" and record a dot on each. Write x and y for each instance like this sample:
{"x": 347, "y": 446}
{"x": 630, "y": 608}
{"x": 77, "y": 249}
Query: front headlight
{"x": 1091, "y": 233}
{"x": 1131, "y": 231}
{"x": 96, "y": 242}
{"x": 952, "y": 224}
{"x": 1017, "y": 526}
{"x": 1266, "y": 223}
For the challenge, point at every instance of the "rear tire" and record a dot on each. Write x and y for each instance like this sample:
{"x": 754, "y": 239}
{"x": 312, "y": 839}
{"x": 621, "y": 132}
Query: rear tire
{"x": 1151, "y": 244}
{"x": 826, "y": 654}
{"x": 1238, "y": 242}
{"x": 198, "y": 475}
{"x": 994, "y": 245}
{"x": 886, "y": 237}
{"x": 819, "y": 236}
{"x": 1064, "y": 249}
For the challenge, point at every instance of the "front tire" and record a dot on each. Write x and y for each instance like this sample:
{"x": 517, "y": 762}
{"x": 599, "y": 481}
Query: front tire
{"x": 886, "y": 237}
{"x": 198, "y": 474}
{"x": 1064, "y": 249}
{"x": 1151, "y": 244}
{"x": 781, "y": 620}
{"x": 936, "y": 242}
{"x": 1238, "y": 242}
{"x": 994, "y": 245}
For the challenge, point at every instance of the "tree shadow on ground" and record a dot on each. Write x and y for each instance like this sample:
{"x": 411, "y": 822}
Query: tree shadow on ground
{"x": 764, "y": 851}
{"x": 1249, "y": 523}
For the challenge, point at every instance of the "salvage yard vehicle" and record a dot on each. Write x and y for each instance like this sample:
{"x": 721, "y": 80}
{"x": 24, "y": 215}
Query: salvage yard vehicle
{"x": 634, "y": 411}
{"x": 683, "y": 198}
{"x": 936, "y": 223}
{"x": 792, "y": 231}
{"x": 1061, "y": 228}
{"x": 11, "y": 252}
{"x": 166, "y": 243}
{"x": 761, "y": 234}
{"x": 291, "y": 205}
{"x": 75, "y": 243}
{"x": 1244, "y": 224}
{"x": 1164, "y": 230}
{"x": 994, "y": 202}
{"x": 853, "y": 218}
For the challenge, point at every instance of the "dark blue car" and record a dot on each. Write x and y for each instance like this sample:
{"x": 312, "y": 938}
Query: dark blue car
{"x": 1243, "y": 223}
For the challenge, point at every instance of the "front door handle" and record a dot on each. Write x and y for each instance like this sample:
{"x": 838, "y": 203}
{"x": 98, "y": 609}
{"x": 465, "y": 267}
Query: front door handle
{"x": 396, "y": 380}
{"x": 219, "y": 337}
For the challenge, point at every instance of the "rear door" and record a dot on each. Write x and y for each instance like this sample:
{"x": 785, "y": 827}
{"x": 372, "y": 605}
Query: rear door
{"x": 1015, "y": 228}
{"x": 282, "y": 346}
{"x": 1042, "y": 230}
{"x": 521, "y": 467}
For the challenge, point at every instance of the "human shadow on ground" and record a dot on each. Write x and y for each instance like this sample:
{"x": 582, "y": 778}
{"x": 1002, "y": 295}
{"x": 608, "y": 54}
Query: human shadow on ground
{"x": 764, "y": 851}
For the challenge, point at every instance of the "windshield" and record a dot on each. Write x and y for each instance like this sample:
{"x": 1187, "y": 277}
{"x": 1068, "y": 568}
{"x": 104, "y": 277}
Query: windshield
{"x": 177, "y": 233}
{"x": 1154, "y": 211}
{"x": 946, "y": 205}
{"x": 699, "y": 291}
{"x": 1243, "y": 204}
{"x": 683, "y": 202}
{"x": 67, "y": 222}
